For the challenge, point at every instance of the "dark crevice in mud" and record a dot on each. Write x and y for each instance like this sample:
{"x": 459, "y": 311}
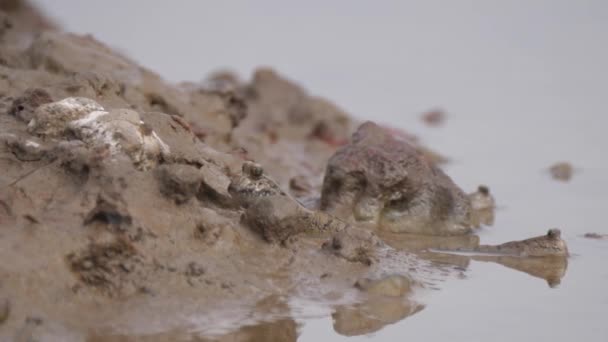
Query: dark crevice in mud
{"x": 208, "y": 195}
{"x": 109, "y": 212}
{"x": 157, "y": 103}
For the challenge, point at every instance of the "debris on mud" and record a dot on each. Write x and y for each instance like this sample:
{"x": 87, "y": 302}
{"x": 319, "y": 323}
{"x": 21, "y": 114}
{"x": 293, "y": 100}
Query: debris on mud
{"x": 434, "y": 117}
{"x": 561, "y": 171}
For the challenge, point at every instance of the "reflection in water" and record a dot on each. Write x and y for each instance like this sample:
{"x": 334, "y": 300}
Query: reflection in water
{"x": 552, "y": 269}
{"x": 268, "y": 320}
{"x": 381, "y": 301}
{"x": 284, "y": 330}
{"x": 420, "y": 243}
{"x": 483, "y": 217}
{"x": 372, "y": 315}
{"x": 386, "y": 302}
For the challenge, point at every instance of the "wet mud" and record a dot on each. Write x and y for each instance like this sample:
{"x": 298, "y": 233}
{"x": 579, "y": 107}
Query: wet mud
{"x": 132, "y": 208}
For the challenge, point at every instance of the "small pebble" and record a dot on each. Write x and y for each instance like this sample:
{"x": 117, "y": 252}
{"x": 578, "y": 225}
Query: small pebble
{"x": 561, "y": 171}
{"x": 434, "y": 117}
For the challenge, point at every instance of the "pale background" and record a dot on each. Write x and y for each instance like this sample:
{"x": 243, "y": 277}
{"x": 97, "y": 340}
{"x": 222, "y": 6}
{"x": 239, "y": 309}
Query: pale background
{"x": 524, "y": 82}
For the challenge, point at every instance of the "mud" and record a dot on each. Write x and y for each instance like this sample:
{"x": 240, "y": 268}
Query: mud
{"x": 385, "y": 181}
{"x": 128, "y": 204}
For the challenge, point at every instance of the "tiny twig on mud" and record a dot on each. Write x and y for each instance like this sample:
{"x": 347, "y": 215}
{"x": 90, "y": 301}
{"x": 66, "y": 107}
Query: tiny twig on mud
{"x": 27, "y": 174}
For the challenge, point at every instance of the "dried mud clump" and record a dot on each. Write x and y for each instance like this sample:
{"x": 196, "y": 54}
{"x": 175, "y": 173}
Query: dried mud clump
{"x": 385, "y": 181}
{"x": 105, "y": 266}
{"x": 179, "y": 182}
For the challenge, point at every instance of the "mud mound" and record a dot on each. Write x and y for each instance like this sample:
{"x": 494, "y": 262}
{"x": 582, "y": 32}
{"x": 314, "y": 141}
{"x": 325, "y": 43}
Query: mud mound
{"x": 118, "y": 202}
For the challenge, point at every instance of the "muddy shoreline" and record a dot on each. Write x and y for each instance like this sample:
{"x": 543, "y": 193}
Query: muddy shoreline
{"x": 129, "y": 207}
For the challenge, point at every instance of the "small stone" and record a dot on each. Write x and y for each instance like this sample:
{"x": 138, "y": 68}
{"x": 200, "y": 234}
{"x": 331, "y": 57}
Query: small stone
{"x": 561, "y": 171}
{"x": 434, "y": 117}
{"x": 214, "y": 186}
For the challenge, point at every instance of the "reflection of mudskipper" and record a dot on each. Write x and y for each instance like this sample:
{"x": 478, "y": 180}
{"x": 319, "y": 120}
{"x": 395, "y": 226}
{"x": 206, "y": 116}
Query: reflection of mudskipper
{"x": 543, "y": 256}
{"x": 385, "y": 302}
{"x": 552, "y": 269}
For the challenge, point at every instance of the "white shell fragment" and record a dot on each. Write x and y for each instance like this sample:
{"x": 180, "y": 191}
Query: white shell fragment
{"x": 52, "y": 118}
{"x": 119, "y": 130}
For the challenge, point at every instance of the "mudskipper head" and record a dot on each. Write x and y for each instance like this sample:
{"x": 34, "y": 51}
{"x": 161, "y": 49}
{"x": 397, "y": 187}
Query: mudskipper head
{"x": 252, "y": 184}
{"x": 554, "y": 233}
{"x": 252, "y": 170}
{"x": 484, "y": 190}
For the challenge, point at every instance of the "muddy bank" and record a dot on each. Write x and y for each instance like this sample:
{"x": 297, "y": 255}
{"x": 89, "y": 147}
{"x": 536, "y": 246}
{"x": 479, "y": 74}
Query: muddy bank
{"x": 134, "y": 207}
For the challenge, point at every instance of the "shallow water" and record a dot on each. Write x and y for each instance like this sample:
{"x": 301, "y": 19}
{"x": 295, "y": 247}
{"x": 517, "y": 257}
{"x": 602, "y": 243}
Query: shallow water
{"x": 524, "y": 86}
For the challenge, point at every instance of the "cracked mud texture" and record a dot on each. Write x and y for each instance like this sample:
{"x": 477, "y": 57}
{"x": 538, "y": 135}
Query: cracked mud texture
{"x": 128, "y": 203}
